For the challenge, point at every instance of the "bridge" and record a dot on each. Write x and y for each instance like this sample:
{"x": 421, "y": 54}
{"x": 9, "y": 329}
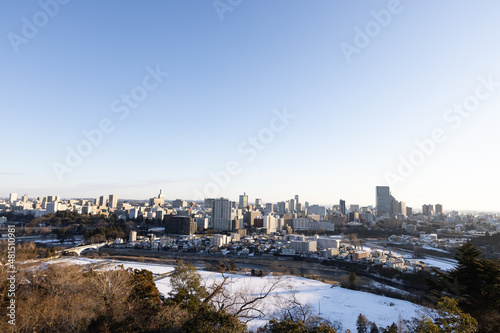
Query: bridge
{"x": 79, "y": 249}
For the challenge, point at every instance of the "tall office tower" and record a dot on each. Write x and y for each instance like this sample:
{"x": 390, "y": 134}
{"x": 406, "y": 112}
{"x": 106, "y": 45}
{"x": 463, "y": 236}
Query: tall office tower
{"x": 297, "y": 199}
{"x": 427, "y": 210}
{"x": 50, "y": 198}
{"x": 161, "y": 197}
{"x": 306, "y": 204}
{"x": 342, "y": 206}
{"x": 409, "y": 211}
{"x": 269, "y": 208}
{"x": 113, "y": 201}
{"x": 209, "y": 202}
{"x": 12, "y": 197}
{"x": 384, "y": 200}
{"x": 25, "y": 198}
{"x": 221, "y": 214}
{"x": 101, "y": 202}
{"x": 258, "y": 203}
{"x": 157, "y": 201}
{"x": 402, "y": 207}
{"x": 243, "y": 200}
{"x": 283, "y": 207}
{"x": 298, "y": 207}
{"x": 399, "y": 207}
{"x": 439, "y": 209}
{"x": 292, "y": 205}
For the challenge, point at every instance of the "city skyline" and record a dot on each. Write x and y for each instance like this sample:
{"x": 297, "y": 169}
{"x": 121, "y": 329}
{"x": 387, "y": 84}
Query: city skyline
{"x": 105, "y": 199}
{"x": 325, "y": 100}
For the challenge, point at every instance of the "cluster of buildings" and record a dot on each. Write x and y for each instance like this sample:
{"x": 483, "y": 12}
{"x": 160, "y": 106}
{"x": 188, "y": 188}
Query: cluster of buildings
{"x": 225, "y": 216}
{"x": 156, "y": 208}
{"x": 275, "y": 245}
{"x": 388, "y": 206}
{"x": 219, "y": 225}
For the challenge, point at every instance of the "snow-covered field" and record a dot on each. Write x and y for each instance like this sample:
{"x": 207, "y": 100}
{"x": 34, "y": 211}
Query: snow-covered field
{"x": 332, "y": 303}
{"x": 336, "y": 304}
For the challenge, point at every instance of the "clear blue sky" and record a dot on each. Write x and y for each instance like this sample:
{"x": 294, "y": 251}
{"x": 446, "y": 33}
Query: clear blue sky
{"x": 352, "y": 119}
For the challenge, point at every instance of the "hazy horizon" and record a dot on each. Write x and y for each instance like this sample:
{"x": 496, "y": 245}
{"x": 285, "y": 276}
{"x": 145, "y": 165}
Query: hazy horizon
{"x": 416, "y": 208}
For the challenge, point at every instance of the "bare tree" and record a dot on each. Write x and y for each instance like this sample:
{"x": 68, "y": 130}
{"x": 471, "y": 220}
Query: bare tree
{"x": 112, "y": 289}
{"x": 247, "y": 302}
{"x": 290, "y": 308}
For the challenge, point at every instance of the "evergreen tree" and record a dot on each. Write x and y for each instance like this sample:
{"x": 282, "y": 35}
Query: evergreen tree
{"x": 374, "y": 328}
{"x": 391, "y": 329}
{"x": 285, "y": 326}
{"x": 296, "y": 326}
{"x": 362, "y": 324}
{"x": 187, "y": 288}
{"x": 475, "y": 282}
{"x": 323, "y": 328}
{"x": 352, "y": 280}
{"x": 448, "y": 319}
{"x": 207, "y": 320}
{"x": 144, "y": 290}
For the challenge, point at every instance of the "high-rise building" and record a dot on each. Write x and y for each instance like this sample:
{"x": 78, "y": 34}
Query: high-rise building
{"x": 25, "y": 198}
{"x": 158, "y": 201}
{"x": 53, "y": 207}
{"x": 258, "y": 203}
{"x": 243, "y": 200}
{"x": 409, "y": 211}
{"x": 283, "y": 207}
{"x": 399, "y": 207}
{"x": 316, "y": 210}
{"x": 161, "y": 198}
{"x": 297, "y": 199}
{"x": 12, "y": 197}
{"x": 101, "y": 202}
{"x": 427, "y": 210}
{"x": 342, "y": 206}
{"x": 269, "y": 208}
{"x": 221, "y": 214}
{"x": 384, "y": 200}
{"x": 270, "y": 223}
{"x": 180, "y": 225}
{"x": 209, "y": 202}
{"x": 439, "y": 209}
{"x": 113, "y": 201}
{"x": 249, "y": 217}
{"x": 179, "y": 203}
{"x": 132, "y": 237}
{"x": 133, "y": 213}
{"x": 402, "y": 207}
{"x": 292, "y": 205}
